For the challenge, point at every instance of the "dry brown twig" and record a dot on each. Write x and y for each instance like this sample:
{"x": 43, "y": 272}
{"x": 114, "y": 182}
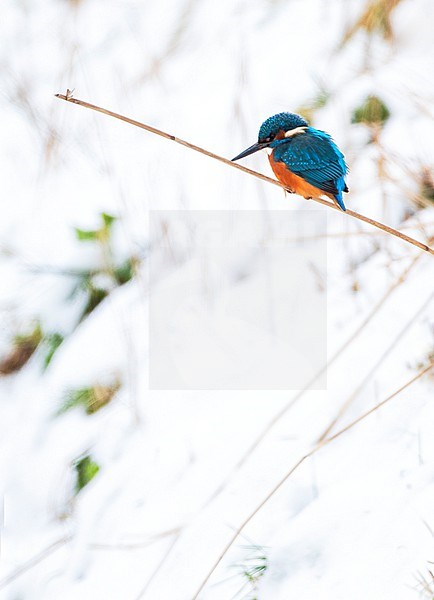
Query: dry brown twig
{"x": 385, "y": 228}
{"x": 69, "y": 98}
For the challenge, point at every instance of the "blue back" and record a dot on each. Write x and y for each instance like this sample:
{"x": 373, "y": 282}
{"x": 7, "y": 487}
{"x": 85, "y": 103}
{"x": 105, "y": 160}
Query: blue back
{"x": 312, "y": 155}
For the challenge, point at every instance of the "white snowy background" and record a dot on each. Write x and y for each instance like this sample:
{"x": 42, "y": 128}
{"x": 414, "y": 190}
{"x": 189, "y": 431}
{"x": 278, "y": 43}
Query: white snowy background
{"x": 175, "y": 471}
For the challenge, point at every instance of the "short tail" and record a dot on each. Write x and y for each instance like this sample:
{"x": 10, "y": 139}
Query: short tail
{"x": 341, "y": 186}
{"x": 339, "y": 200}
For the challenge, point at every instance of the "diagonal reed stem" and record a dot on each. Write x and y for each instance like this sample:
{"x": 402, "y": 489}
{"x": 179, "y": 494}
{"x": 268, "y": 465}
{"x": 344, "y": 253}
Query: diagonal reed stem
{"x": 283, "y": 411}
{"x": 369, "y": 376}
{"x": 288, "y": 474}
{"x": 406, "y": 238}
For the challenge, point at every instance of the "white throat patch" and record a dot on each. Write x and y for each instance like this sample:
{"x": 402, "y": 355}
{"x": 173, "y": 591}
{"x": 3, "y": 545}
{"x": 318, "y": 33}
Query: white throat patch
{"x": 295, "y": 131}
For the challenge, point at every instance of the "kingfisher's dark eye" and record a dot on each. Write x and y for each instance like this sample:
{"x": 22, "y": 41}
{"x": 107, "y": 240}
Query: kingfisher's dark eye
{"x": 268, "y": 139}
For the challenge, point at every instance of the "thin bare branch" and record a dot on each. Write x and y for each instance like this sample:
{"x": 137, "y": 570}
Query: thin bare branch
{"x": 32, "y": 562}
{"x": 368, "y": 377}
{"x": 314, "y": 450}
{"x": 281, "y": 413}
{"x": 136, "y": 545}
{"x": 69, "y": 98}
{"x": 157, "y": 568}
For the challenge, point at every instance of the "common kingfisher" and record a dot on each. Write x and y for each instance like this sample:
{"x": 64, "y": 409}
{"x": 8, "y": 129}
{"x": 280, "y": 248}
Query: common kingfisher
{"x": 306, "y": 160}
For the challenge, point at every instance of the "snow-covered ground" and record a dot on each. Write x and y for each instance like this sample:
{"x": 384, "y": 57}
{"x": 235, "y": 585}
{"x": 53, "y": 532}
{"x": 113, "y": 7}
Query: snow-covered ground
{"x": 255, "y": 323}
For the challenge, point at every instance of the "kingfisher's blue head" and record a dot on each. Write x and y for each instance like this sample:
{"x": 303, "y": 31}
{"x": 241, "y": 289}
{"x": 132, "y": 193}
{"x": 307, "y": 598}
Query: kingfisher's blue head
{"x": 274, "y": 129}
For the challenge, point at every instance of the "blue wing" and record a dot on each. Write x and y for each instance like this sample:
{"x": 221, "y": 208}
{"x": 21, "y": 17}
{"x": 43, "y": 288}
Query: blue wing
{"x": 314, "y": 156}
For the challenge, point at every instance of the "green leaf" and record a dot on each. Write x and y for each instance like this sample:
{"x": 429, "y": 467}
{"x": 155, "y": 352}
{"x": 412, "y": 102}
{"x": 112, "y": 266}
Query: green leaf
{"x": 86, "y": 235}
{"x": 108, "y": 220}
{"x": 52, "y": 342}
{"x": 372, "y": 111}
{"x": 95, "y": 296}
{"x": 254, "y": 566}
{"x": 85, "y": 470}
{"x": 74, "y": 398}
{"x": 90, "y": 398}
{"x": 124, "y": 272}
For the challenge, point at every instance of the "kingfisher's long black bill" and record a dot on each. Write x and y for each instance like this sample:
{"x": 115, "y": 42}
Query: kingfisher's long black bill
{"x": 250, "y": 150}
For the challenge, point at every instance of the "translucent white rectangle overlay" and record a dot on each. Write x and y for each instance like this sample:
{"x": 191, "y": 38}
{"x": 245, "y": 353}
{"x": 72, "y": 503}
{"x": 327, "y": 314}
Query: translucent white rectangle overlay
{"x": 237, "y": 299}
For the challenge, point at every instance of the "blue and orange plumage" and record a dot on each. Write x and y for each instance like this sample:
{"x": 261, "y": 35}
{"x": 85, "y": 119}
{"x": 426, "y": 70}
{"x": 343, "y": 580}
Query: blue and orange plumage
{"x": 306, "y": 160}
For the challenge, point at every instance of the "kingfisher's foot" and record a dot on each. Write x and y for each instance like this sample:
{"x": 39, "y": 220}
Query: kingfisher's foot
{"x": 308, "y": 197}
{"x": 290, "y": 191}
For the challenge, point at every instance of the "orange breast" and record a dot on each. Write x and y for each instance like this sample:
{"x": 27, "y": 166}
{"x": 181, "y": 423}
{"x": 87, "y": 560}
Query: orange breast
{"x": 294, "y": 182}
